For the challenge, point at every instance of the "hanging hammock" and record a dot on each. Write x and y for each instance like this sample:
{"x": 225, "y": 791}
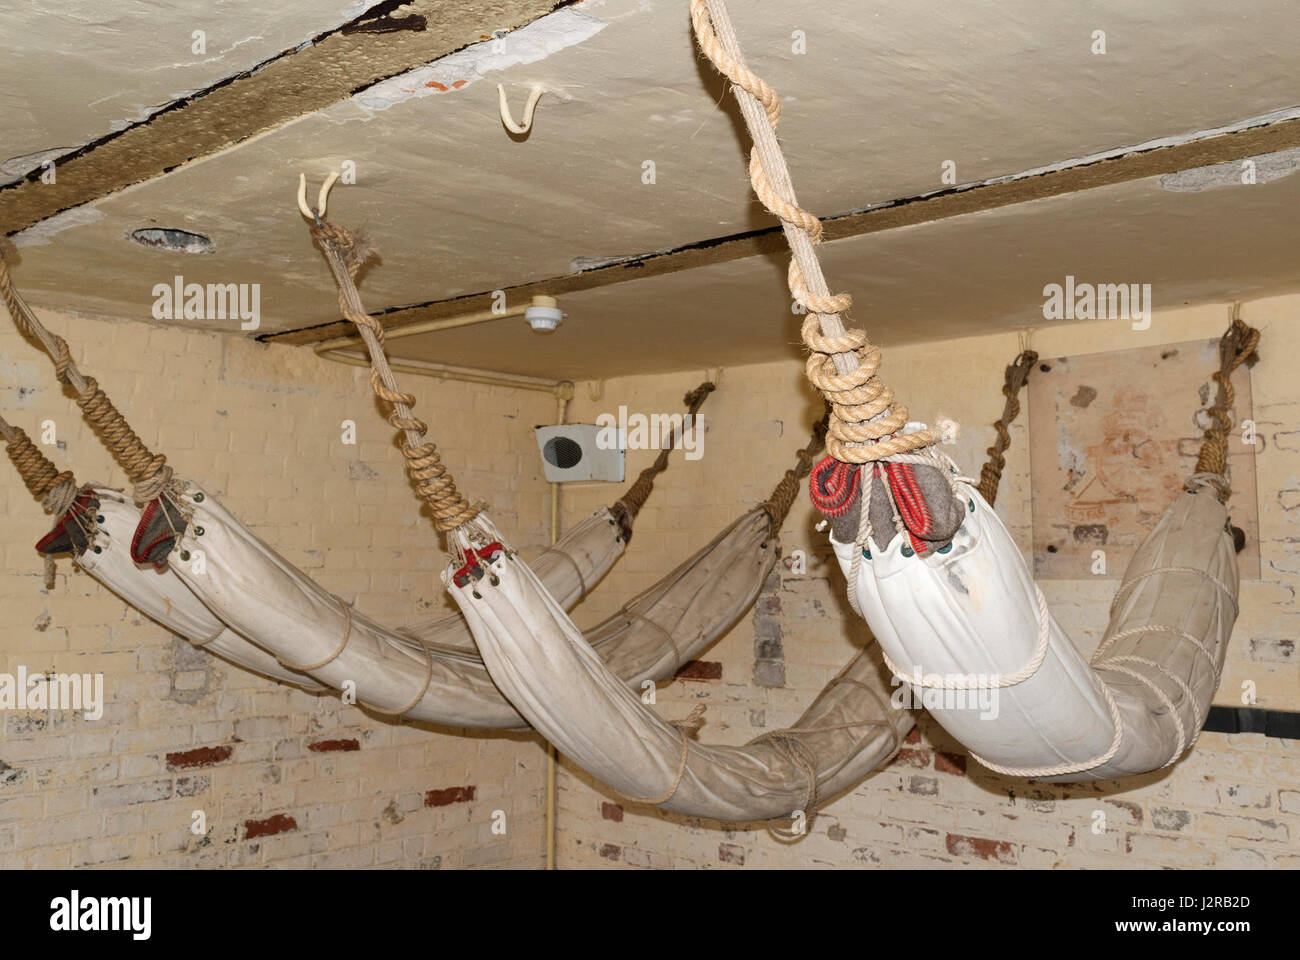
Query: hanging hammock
{"x": 970, "y": 623}
{"x": 311, "y": 632}
{"x": 958, "y": 593}
{"x": 96, "y": 525}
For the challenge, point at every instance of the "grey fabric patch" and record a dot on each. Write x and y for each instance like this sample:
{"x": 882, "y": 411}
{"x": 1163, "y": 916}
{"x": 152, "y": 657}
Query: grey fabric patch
{"x": 947, "y": 513}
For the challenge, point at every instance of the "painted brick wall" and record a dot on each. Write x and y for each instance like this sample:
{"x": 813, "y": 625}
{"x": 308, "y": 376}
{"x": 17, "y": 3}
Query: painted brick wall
{"x": 283, "y": 778}
{"x": 1235, "y": 801}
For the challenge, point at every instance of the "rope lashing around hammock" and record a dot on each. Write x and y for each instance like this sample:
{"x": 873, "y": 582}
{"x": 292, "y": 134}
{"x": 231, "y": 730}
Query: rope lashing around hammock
{"x": 346, "y": 254}
{"x": 1236, "y": 346}
{"x": 149, "y": 472}
{"x": 864, "y": 421}
{"x": 635, "y": 498}
{"x": 1016, "y": 376}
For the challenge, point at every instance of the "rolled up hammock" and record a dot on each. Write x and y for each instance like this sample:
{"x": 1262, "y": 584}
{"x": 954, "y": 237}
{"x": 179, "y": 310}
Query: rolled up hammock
{"x": 963, "y": 596}
{"x": 960, "y": 613}
{"x": 968, "y": 630}
{"x": 307, "y": 629}
{"x": 95, "y": 526}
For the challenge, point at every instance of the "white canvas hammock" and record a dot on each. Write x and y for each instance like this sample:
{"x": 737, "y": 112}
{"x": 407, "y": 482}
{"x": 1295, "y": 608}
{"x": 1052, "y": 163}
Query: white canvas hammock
{"x": 108, "y": 521}
{"x": 967, "y": 604}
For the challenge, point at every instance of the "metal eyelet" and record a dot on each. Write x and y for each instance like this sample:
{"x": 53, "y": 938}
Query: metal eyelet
{"x": 495, "y": 580}
{"x": 972, "y": 505}
{"x": 99, "y": 549}
{"x": 477, "y": 595}
{"x": 866, "y": 554}
{"x": 99, "y": 518}
{"x": 908, "y": 552}
{"x": 946, "y": 548}
{"x": 198, "y": 498}
{"x": 185, "y": 555}
{"x": 198, "y": 531}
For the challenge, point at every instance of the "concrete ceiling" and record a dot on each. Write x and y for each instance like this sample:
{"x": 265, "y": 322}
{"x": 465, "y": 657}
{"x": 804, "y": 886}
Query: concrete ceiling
{"x": 884, "y": 95}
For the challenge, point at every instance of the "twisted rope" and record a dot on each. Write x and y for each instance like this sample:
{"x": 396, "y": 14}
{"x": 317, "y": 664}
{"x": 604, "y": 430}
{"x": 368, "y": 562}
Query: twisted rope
{"x": 148, "y": 472}
{"x": 991, "y": 472}
{"x": 433, "y": 484}
{"x": 864, "y": 420}
{"x": 1237, "y": 346}
{"x": 637, "y": 494}
{"x": 778, "y": 505}
{"x": 56, "y": 491}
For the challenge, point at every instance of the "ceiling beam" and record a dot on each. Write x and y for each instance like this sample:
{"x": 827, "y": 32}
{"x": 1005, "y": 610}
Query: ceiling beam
{"x": 328, "y": 68}
{"x": 959, "y": 201}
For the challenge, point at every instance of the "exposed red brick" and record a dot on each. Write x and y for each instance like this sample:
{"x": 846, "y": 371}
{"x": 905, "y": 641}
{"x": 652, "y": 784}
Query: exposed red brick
{"x": 610, "y": 851}
{"x": 445, "y": 798}
{"x": 1133, "y": 810}
{"x": 950, "y": 763}
{"x": 731, "y": 853}
{"x": 913, "y": 758}
{"x": 913, "y": 735}
{"x": 981, "y": 848}
{"x": 700, "y": 670}
{"x": 280, "y": 823}
{"x": 331, "y": 746}
{"x": 198, "y": 757}
{"x": 611, "y": 811}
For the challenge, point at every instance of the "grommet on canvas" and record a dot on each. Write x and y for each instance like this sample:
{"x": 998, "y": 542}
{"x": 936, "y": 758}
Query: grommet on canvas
{"x": 946, "y": 548}
{"x": 99, "y": 518}
{"x": 185, "y": 555}
{"x": 198, "y": 531}
{"x": 198, "y": 498}
{"x": 908, "y": 551}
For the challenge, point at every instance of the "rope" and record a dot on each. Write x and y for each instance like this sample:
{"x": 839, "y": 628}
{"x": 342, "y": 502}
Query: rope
{"x": 338, "y": 651}
{"x": 991, "y": 473}
{"x": 56, "y": 491}
{"x": 1237, "y": 346}
{"x": 433, "y": 484}
{"x": 778, "y": 505}
{"x": 635, "y": 497}
{"x": 148, "y": 472}
{"x": 864, "y": 422}
{"x": 1010, "y": 680}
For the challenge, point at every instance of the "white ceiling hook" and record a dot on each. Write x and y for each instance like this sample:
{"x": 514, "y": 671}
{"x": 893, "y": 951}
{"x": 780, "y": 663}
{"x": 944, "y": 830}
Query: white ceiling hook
{"x": 321, "y": 199}
{"x": 526, "y": 121}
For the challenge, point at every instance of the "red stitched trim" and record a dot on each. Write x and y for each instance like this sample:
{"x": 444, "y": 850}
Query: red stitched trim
{"x": 80, "y": 505}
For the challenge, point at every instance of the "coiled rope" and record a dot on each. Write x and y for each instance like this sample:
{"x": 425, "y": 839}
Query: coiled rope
{"x": 433, "y": 484}
{"x": 149, "y": 472}
{"x": 864, "y": 420}
{"x": 635, "y": 498}
{"x": 1236, "y": 346}
{"x": 777, "y": 506}
{"x": 1016, "y": 376}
